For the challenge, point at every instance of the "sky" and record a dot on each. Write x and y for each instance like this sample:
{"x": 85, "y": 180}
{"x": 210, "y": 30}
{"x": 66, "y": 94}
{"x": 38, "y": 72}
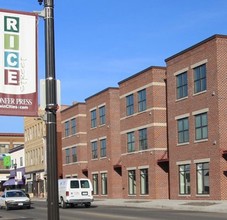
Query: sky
{"x": 99, "y": 43}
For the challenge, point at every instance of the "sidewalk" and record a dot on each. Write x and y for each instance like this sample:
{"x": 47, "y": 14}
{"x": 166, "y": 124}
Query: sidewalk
{"x": 186, "y": 205}
{"x": 190, "y": 205}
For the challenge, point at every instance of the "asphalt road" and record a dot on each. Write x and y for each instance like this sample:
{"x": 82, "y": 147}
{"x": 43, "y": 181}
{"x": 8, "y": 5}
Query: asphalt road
{"x": 39, "y": 212}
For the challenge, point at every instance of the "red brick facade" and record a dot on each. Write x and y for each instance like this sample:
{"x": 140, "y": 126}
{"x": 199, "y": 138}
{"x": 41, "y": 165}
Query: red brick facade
{"x": 212, "y": 101}
{"x": 164, "y": 136}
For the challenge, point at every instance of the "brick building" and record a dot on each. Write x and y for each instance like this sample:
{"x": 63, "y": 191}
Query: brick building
{"x": 74, "y": 141}
{"x": 143, "y": 134}
{"x": 161, "y": 134}
{"x": 196, "y": 92}
{"x": 103, "y": 141}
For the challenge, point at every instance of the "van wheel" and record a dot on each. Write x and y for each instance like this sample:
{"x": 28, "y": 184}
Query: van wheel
{"x": 63, "y": 204}
{"x": 87, "y": 205}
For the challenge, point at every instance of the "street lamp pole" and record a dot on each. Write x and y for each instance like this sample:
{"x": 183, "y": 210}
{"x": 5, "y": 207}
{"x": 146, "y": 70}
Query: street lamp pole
{"x": 51, "y": 109}
{"x": 15, "y": 176}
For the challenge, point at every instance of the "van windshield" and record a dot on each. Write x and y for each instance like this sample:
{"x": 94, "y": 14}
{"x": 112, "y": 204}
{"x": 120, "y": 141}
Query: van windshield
{"x": 84, "y": 184}
{"x": 74, "y": 184}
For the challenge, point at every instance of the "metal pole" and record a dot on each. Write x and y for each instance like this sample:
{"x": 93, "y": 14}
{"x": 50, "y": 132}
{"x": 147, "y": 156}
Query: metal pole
{"x": 51, "y": 108}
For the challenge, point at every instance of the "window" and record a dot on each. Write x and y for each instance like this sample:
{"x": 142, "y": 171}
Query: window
{"x": 182, "y": 85}
{"x": 131, "y": 182}
{"x": 73, "y": 126}
{"x": 94, "y": 149}
{"x": 84, "y": 184}
{"x": 144, "y": 182}
{"x": 184, "y": 179}
{"x": 201, "y": 126}
{"x": 203, "y": 183}
{"x": 66, "y": 128}
{"x": 67, "y": 156}
{"x": 143, "y": 139}
{"x": 104, "y": 183}
{"x": 95, "y": 184}
{"x": 103, "y": 148}
{"x": 74, "y": 154}
{"x": 131, "y": 141}
{"x": 21, "y": 162}
{"x": 200, "y": 78}
{"x": 142, "y": 105}
{"x": 102, "y": 115}
{"x": 93, "y": 119}
{"x": 129, "y": 104}
{"x": 74, "y": 184}
{"x": 183, "y": 130}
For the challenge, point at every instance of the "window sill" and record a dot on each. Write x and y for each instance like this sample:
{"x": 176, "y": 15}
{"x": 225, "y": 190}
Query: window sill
{"x": 199, "y": 93}
{"x": 202, "y": 140}
{"x": 182, "y": 144}
{"x": 181, "y": 99}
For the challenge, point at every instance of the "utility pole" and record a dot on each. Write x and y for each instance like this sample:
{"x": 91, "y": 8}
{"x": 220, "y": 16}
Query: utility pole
{"x": 51, "y": 109}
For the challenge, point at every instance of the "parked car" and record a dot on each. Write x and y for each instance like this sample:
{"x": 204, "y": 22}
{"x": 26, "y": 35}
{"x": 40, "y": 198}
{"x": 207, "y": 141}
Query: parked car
{"x": 14, "y": 198}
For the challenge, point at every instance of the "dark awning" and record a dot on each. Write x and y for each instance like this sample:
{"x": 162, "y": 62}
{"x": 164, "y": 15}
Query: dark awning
{"x": 224, "y": 152}
{"x": 117, "y": 166}
{"x": 164, "y": 160}
{"x": 11, "y": 182}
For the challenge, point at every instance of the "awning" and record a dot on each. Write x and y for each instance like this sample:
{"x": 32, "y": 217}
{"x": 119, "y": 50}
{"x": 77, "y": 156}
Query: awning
{"x": 117, "y": 166}
{"x": 11, "y": 182}
{"x": 224, "y": 152}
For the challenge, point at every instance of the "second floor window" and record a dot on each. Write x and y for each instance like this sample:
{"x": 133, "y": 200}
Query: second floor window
{"x": 182, "y": 85}
{"x": 143, "y": 139}
{"x": 183, "y": 130}
{"x": 200, "y": 78}
{"x": 66, "y": 128}
{"x": 142, "y": 101}
{"x": 93, "y": 119}
{"x": 201, "y": 126}
{"x": 129, "y": 105}
{"x": 74, "y": 154}
{"x": 103, "y": 148}
{"x": 67, "y": 156}
{"x": 131, "y": 141}
{"x": 94, "y": 149}
{"x": 102, "y": 115}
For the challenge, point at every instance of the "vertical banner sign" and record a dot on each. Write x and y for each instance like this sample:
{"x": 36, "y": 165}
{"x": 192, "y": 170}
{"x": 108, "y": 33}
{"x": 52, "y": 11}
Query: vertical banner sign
{"x": 18, "y": 63}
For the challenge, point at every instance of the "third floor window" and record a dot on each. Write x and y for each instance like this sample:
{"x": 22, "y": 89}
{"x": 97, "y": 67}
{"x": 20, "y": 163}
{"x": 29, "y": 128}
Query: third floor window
{"x": 142, "y": 100}
{"x": 200, "y": 78}
{"x": 182, "y": 85}
{"x": 129, "y": 105}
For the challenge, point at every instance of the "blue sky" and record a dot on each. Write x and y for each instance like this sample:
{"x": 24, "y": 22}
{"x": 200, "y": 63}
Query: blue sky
{"x": 101, "y": 42}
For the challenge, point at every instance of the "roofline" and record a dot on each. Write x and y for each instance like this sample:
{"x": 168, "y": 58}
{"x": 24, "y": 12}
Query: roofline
{"x": 102, "y": 91}
{"x": 145, "y": 70}
{"x": 15, "y": 149}
{"x": 12, "y": 134}
{"x": 196, "y": 45}
{"x": 73, "y": 105}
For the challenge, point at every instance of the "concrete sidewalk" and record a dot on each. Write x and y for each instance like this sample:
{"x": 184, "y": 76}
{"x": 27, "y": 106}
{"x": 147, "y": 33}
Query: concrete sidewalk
{"x": 190, "y": 205}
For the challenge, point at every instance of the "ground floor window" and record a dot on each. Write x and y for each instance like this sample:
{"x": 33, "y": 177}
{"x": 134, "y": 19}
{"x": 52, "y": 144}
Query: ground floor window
{"x": 131, "y": 182}
{"x": 95, "y": 184}
{"x": 203, "y": 180}
{"x": 144, "y": 182}
{"x": 104, "y": 183}
{"x": 184, "y": 179}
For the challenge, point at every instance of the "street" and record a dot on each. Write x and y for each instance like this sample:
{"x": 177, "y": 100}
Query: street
{"x": 39, "y": 212}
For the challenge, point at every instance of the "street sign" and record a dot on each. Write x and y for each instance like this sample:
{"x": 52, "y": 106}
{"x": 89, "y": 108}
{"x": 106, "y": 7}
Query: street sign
{"x": 18, "y": 63}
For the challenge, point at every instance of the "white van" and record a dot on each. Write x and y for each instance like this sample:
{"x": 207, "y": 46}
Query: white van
{"x": 74, "y": 191}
